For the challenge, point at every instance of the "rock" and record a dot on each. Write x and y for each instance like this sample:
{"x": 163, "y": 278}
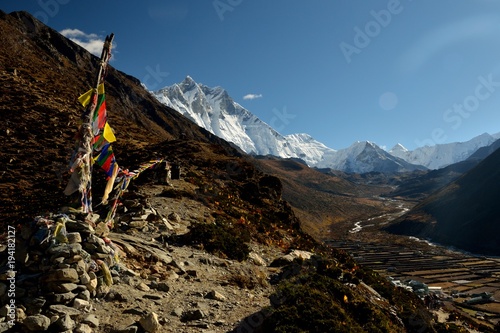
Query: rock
{"x": 174, "y": 217}
{"x": 63, "y": 309}
{"x": 92, "y": 285}
{"x": 65, "y": 250}
{"x": 138, "y": 224}
{"x": 20, "y": 315}
{"x": 192, "y": 272}
{"x": 79, "y": 226}
{"x": 62, "y": 275}
{"x": 34, "y": 306}
{"x": 81, "y": 267}
{"x": 172, "y": 276}
{"x": 150, "y": 323}
{"x": 65, "y": 323}
{"x": 215, "y": 295}
{"x": 163, "y": 286}
{"x": 143, "y": 287}
{"x": 102, "y": 290}
{"x": 4, "y": 327}
{"x": 85, "y": 295}
{"x": 74, "y": 237}
{"x": 130, "y": 329}
{"x": 83, "y": 328}
{"x": 64, "y": 298}
{"x": 282, "y": 261}
{"x": 3, "y": 289}
{"x": 305, "y": 255}
{"x": 37, "y": 323}
{"x": 257, "y": 260}
{"x": 84, "y": 278}
{"x": 102, "y": 230}
{"x": 63, "y": 287}
{"x": 81, "y": 304}
{"x": 153, "y": 297}
{"x": 177, "y": 312}
{"x": 191, "y": 315}
{"x": 91, "y": 320}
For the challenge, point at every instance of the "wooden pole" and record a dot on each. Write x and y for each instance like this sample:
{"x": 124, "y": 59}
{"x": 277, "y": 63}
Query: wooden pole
{"x": 87, "y": 128}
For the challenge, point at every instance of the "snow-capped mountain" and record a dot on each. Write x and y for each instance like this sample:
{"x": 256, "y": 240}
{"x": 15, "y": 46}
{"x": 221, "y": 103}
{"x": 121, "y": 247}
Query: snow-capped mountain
{"x": 366, "y": 156}
{"x": 441, "y": 155}
{"x": 214, "y": 110}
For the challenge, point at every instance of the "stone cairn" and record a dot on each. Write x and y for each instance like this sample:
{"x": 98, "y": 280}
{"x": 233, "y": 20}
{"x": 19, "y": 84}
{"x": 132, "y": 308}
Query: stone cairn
{"x": 62, "y": 262}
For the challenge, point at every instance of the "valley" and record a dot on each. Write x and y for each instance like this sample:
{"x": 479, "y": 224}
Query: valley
{"x": 462, "y": 282}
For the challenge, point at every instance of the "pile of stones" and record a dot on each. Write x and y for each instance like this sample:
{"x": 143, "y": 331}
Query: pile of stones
{"x": 61, "y": 262}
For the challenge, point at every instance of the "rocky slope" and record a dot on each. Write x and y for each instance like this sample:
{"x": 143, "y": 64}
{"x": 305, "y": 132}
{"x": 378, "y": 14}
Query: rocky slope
{"x": 206, "y": 254}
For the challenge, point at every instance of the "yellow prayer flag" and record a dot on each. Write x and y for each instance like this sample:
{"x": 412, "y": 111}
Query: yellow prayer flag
{"x": 85, "y": 98}
{"x": 108, "y": 133}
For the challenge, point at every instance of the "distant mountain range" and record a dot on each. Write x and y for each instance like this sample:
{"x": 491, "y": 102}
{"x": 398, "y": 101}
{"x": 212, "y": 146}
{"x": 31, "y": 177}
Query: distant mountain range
{"x": 214, "y": 110}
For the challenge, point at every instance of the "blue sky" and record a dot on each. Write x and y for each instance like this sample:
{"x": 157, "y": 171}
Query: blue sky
{"x": 416, "y": 72}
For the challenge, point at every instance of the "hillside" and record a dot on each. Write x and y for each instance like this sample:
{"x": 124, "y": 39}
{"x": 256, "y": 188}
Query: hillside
{"x": 463, "y": 214}
{"x": 209, "y": 252}
{"x": 323, "y": 201}
{"x": 42, "y": 74}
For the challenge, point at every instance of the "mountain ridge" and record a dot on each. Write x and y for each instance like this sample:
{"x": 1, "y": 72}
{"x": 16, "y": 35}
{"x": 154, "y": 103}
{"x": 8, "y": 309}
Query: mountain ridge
{"x": 214, "y": 110}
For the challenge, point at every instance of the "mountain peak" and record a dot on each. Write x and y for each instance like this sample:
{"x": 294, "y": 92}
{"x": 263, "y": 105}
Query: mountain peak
{"x": 188, "y": 83}
{"x": 398, "y": 148}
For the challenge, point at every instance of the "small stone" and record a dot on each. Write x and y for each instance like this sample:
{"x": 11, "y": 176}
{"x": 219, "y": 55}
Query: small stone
{"x": 81, "y": 304}
{"x": 102, "y": 290}
{"x": 150, "y": 323}
{"x": 63, "y": 309}
{"x": 37, "y": 323}
{"x": 130, "y": 329}
{"x": 129, "y": 272}
{"x": 65, "y": 250}
{"x": 85, "y": 295}
{"x": 102, "y": 230}
{"x": 81, "y": 267}
{"x": 62, "y": 275}
{"x": 84, "y": 278}
{"x": 138, "y": 224}
{"x": 83, "y": 328}
{"x": 174, "y": 217}
{"x": 65, "y": 323}
{"x": 4, "y": 327}
{"x": 191, "y": 315}
{"x": 57, "y": 260}
{"x": 74, "y": 237}
{"x": 177, "y": 312}
{"x": 215, "y": 295}
{"x": 92, "y": 217}
{"x": 143, "y": 287}
{"x": 34, "y": 306}
{"x": 172, "y": 276}
{"x": 64, "y": 298}
{"x": 92, "y": 285}
{"x": 192, "y": 272}
{"x": 20, "y": 314}
{"x": 163, "y": 286}
{"x": 91, "y": 320}
{"x": 257, "y": 260}
{"x": 63, "y": 287}
{"x": 153, "y": 297}
{"x": 79, "y": 226}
